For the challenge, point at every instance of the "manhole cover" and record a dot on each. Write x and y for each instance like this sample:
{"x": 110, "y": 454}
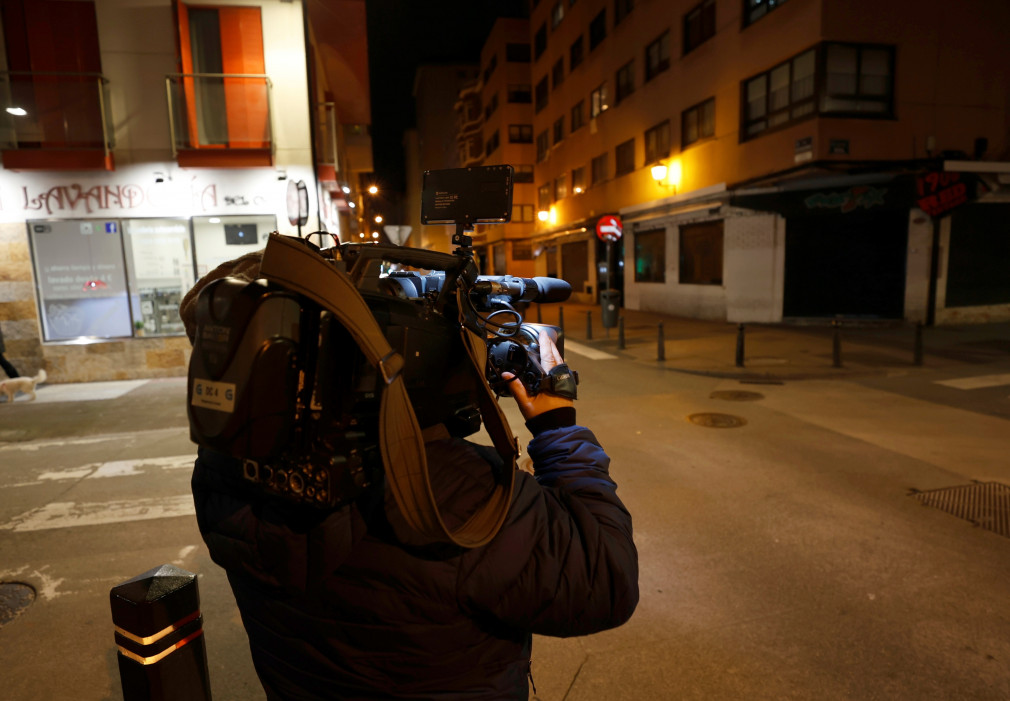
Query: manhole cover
{"x": 15, "y": 597}
{"x": 712, "y": 420}
{"x": 736, "y": 395}
{"x": 986, "y": 504}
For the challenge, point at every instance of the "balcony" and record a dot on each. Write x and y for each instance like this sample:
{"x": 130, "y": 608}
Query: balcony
{"x": 220, "y": 120}
{"x": 55, "y": 121}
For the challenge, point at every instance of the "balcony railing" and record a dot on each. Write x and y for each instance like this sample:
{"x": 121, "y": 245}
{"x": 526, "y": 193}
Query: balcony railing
{"x": 222, "y": 111}
{"x": 55, "y": 111}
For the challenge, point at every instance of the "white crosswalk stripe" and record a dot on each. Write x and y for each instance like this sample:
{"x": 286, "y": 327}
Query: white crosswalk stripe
{"x": 587, "y": 352}
{"x": 978, "y": 382}
{"x": 66, "y": 514}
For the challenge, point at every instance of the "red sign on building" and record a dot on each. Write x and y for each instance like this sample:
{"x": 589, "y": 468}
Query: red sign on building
{"x": 608, "y": 228}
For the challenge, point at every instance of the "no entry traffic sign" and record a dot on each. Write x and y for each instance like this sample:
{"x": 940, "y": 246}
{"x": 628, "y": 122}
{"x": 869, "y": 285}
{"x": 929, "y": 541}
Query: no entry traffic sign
{"x": 608, "y": 228}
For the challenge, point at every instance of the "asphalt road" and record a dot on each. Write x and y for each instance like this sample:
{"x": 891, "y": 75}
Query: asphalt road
{"x": 786, "y": 558}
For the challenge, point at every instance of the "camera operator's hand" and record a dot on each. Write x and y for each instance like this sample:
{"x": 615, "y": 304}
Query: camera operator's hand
{"x": 543, "y": 401}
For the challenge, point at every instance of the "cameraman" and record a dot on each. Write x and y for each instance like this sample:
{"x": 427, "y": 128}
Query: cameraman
{"x": 337, "y": 607}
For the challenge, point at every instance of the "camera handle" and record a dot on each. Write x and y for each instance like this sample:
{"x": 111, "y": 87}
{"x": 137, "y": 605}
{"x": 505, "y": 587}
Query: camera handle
{"x": 295, "y": 265}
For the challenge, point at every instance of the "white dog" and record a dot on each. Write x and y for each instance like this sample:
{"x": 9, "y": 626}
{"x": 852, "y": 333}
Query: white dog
{"x": 22, "y": 384}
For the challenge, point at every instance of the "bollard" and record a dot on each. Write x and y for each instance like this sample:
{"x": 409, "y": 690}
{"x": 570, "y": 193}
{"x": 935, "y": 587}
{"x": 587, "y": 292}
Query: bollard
{"x": 561, "y": 319}
{"x": 540, "y": 319}
{"x": 159, "y": 633}
{"x": 836, "y": 345}
{"x": 917, "y": 352}
{"x": 620, "y": 332}
{"x": 660, "y": 346}
{"x": 589, "y": 325}
{"x": 739, "y": 346}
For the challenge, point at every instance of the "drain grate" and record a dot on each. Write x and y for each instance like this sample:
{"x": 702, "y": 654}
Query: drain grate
{"x": 736, "y": 395}
{"x": 15, "y": 597}
{"x": 986, "y": 504}
{"x": 712, "y": 420}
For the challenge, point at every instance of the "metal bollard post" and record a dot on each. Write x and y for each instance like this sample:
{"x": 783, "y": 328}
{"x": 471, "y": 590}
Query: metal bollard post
{"x": 917, "y": 353}
{"x": 540, "y": 319}
{"x": 159, "y": 633}
{"x": 589, "y": 325}
{"x": 836, "y": 345}
{"x": 561, "y": 319}
{"x": 739, "y": 346}
{"x": 660, "y": 345}
{"x": 620, "y": 333}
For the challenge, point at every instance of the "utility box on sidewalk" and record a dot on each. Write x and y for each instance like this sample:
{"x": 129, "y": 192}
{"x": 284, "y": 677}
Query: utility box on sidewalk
{"x": 610, "y": 306}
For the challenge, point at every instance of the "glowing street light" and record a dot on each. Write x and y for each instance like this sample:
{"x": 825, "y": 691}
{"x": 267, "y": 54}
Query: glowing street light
{"x": 378, "y": 218}
{"x": 543, "y": 215}
{"x": 372, "y": 189}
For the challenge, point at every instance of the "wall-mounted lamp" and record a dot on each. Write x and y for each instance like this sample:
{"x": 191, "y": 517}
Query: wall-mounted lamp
{"x": 667, "y": 175}
{"x": 17, "y": 111}
{"x": 577, "y": 190}
{"x": 351, "y": 204}
{"x": 361, "y": 235}
{"x": 543, "y": 215}
{"x": 372, "y": 189}
{"x": 346, "y": 190}
{"x": 378, "y": 218}
{"x": 375, "y": 234}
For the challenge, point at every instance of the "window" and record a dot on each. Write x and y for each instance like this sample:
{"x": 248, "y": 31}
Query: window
{"x": 541, "y": 95}
{"x": 522, "y": 250}
{"x": 657, "y": 142}
{"x": 577, "y": 118}
{"x": 575, "y": 54}
{"x": 701, "y": 253}
{"x": 598, "y": 169}
{"x": 544, "y": 196}
{"x": 622, "y": 8}
{"x": 523, "y": 174}
{"x": 491, "y": 106}
{"x": 517, "y": 53}
{"x": 698, "y": 122}
{"x": 753, "y": 10}
{"x": 657, "y": 56}
{"x": 492, "y": 63}
{"x": 578, "y": 180}
{"x": 557, "y": 14}
{"x": 699, "y": 25}
{"x": 540, "y": 42}
{"x": 558, "y": 73}
{"x": 492, "y": 143}
{"x": 520, "y": 133}
{"x": 598, "y": 101}
{"x": 650, "y": 256}
{"x": 543, "y": 145}
{"x": 560, "y": 187}
{"x": 559, "y": 130}
{"x": 522, "y": 212}
{"x": 520, "y": 94}
{"x": 625, "y": 81}
{"x": 851, "y": 80}
{"x": 625, "y": 161}
{"x": 598, "y": 29}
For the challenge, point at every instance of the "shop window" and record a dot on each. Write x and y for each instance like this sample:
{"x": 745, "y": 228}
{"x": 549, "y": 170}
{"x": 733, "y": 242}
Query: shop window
{"x": 625, "y": 80}
{"x": 753, "y": 10}
{"x": 523, "y": 174}
{"x": 598, "y": 169}
{"x": 699, "y": 25}
{"x": 625, "y": 157}
{"x": 701, "y": 247}
{"x": 598, "y": 29}
{"x": 575, "y": 264}
{"x": 650, "y": 256}
{"x": 657, "y": 142}
{"x": 698, "y": 122}
{"x": 657, "y": 56}
{"x": 81, "y": 278}
{"x": 575, "y": 54}
{"x": 217, "y": 240}
{"x": 578, "y": 115}
{"x": 159, "y": 254}
{"x": 598, "y": 101}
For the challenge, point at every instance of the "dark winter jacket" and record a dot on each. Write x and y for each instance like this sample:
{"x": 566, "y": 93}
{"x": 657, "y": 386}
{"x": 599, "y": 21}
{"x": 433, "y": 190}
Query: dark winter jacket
{"x": 336, "y": 608}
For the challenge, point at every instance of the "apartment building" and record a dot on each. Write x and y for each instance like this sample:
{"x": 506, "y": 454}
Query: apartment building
{"x": 144, "y": 143}
{"x": 769, "y": 159}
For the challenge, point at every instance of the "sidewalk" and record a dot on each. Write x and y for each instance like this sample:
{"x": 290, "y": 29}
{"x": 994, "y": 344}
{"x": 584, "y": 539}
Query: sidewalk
{"x": 784, "y": 351}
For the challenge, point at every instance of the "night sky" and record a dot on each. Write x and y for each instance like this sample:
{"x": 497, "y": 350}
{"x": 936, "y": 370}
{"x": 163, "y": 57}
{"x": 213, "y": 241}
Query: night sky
{"x": 403, "y": 34}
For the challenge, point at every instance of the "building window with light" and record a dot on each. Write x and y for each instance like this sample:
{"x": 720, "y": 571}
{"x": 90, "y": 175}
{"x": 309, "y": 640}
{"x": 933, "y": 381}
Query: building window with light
{"x": 625, "y": 80}
{"x": 622, "y": 8}
{"x": 650, "y": 256}
{"x": 598, "y": 169}
{"x": 544, "y": 197}
{"x": 557, "y": 14}
{"x": 598, "y": 29}
{"x": 578, "y": 180}
{"x": 699, "y": 25}
{"x": 753, "y": 10}
{"x": 578, "y": 115}
{"x": 522, "y": 212}
{"x": 558, "y": 73}
{"x": 519, "y": 94}
{"x": 520, "y": 133}
{"x": 541, "y": 95}
{"x": 560, "y": 187}
{"x": 543, "y": 145}
{"x": 559, "y": 130}
{"x": 598, "y": 101}
{"x": 657, "y": 56}
{"x": 698, "y": 122}
{"x": 657, "y": 142}
{"x": 540, "y": 42}
{"x": 575, "y": 54}
{"x": 701, "y": 247}
{"x": 523, "y": 174}
{"x": 625, "y": 157}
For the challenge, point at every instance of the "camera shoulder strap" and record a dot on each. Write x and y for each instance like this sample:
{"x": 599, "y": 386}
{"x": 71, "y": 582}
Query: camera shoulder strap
{"x": 292, "y": 263}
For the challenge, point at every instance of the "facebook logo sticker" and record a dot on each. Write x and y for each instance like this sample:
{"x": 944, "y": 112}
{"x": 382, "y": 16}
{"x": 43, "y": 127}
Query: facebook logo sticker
{"x": 110, "y": 227}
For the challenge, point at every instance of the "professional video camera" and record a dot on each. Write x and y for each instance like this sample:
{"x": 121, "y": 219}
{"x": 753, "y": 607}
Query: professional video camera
{"x": 286, "y": 376}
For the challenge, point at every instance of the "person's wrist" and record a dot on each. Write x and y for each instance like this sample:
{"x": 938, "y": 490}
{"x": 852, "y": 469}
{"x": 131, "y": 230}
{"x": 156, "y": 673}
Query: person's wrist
{"x": 557, "y": 417}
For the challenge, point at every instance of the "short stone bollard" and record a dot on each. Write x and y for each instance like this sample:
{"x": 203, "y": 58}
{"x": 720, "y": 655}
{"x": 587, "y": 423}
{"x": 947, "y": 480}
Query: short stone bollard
{"x": 159, "y": 633}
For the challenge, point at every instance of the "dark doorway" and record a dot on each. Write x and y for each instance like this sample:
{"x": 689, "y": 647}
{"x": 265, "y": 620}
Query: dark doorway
{"x": 848, "y": 264}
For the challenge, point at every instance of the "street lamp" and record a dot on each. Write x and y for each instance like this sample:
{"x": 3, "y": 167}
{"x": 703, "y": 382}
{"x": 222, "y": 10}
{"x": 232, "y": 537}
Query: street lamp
{"x": 372, "y": 189}
{"x": 668, "y": 175}
{"x": 378, "y": 218}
